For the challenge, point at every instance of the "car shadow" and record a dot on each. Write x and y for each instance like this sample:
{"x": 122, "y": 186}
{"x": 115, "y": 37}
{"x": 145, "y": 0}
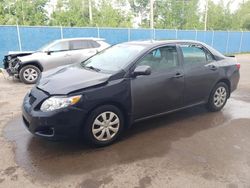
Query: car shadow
{"x": 145, "y": 140}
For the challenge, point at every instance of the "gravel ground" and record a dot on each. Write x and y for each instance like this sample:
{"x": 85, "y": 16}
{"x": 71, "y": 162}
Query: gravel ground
{"x": 191, "y": 148}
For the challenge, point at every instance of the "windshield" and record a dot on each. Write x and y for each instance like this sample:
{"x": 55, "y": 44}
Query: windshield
{"x": 114, "y": 58}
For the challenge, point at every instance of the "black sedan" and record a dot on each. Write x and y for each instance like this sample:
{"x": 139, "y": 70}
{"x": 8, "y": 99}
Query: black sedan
{"x": 126, "y": 83}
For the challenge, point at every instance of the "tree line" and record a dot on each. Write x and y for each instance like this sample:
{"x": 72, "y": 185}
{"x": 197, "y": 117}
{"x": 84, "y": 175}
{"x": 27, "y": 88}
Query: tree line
{"x": 168, "y": 14}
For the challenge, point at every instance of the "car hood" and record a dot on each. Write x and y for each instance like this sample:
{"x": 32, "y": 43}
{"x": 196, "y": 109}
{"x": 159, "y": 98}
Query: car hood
{"x": 19, "y": 52}
{"x": 33, "y": 56}
{"x": 67, "y": 79}
{"x": 13, "y": 54}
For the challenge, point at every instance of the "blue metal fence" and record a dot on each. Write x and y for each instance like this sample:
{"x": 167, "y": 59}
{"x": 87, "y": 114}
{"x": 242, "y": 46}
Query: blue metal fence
{"x": 14, "y": 38}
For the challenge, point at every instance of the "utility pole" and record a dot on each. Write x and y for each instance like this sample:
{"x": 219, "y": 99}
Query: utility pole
{"x": 182, "y": 14}
{"x": 206, "y": 12}
{"x": 90, "y": 12}
{"x": 22, "y": 12}
{"x": 152, "y": 14}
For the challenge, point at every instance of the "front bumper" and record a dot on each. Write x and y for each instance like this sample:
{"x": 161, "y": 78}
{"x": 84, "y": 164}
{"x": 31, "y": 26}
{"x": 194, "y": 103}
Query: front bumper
{"x": 235, "y": 78}
{"x": 63, "y": 123}
{"x": 11, "y": 66}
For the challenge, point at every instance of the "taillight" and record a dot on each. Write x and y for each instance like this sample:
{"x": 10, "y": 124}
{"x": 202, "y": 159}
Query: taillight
{"x": 238, "y": 65}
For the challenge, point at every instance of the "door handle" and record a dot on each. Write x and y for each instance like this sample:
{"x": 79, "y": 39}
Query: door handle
{"x": 212, "y": 67}
{"x": 66, "y": 55}
{"x": 178, "y": 75}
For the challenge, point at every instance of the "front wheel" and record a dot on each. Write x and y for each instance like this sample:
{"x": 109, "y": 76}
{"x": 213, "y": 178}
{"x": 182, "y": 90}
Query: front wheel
{"x": 104, "y": 125}
{"x": 29, "y": 74}
{"x": 218, "y": 97}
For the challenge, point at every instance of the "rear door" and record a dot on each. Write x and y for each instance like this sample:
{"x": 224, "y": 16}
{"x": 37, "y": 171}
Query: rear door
{"x": 201, "y": 73}
{"x": 162, "y": 90}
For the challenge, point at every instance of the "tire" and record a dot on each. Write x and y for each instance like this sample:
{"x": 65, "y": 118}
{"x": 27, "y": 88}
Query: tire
{"x": 218, "y": 97}
{"x": 95, "y": 129}
{"x": 29, "y": 74}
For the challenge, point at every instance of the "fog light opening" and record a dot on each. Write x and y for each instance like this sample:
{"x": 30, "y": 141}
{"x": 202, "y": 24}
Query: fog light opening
{"x": 46, "y": 132}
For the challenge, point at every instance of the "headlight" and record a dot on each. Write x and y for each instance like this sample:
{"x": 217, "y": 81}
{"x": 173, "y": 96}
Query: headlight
{"x": 58, "y": 102}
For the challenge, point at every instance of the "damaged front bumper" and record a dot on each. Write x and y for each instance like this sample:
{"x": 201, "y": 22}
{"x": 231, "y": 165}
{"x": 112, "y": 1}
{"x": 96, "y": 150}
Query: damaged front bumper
{"x": 11, "y": 66}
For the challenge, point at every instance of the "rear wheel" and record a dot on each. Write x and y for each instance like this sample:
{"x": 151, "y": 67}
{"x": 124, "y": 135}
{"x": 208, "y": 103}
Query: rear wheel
{"x": 218, "y": 97}
{"x": 104, "y": 125}
{"x": 29, "y": 74}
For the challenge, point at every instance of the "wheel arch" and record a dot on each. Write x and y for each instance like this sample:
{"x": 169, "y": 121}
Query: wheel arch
{"x": 224, "y": 80}
{"x": 122, "y": 108}
{"x": 34, "y": 63}
{"x": 209, "y": 104}
{"x": 227, "y": 82}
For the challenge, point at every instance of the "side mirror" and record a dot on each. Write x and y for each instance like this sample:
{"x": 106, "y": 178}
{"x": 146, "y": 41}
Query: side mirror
{"x": 142, "y": 70}
{"x": 49, "y": 52}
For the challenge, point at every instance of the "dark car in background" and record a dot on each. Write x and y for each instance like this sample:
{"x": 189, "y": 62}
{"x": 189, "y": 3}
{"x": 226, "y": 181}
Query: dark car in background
{"x": 126, "y": 83}
{"x": 28, "y": 65}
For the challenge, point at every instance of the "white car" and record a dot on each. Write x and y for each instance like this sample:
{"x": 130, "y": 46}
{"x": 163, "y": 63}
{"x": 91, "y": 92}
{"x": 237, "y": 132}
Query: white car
{"x": 28, "y": 66}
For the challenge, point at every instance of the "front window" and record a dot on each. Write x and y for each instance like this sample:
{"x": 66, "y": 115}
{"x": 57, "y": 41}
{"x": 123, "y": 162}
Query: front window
{"x": 161, "y": 59}
{"x": 60, "y": 46}
{"x": 55, "y": 46}
{"x": 46, "y": 46}
{"x": 113, "y": 59}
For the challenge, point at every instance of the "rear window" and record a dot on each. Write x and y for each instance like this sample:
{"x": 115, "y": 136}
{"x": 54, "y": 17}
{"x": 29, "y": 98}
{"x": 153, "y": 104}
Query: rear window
{"x": 194, "y": 54}
{"x": 80, "y": 44}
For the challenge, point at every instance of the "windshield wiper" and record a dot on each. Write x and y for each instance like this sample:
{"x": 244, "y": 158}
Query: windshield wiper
{"x": 92, "y": 68}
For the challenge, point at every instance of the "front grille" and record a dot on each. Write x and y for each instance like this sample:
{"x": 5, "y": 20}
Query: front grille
{"x": 14, "y": 62}
{"x": 32, "y": 99}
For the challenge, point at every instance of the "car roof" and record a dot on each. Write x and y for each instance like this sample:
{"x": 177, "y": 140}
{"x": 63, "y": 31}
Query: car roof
{"x": 81, "y": 38}
{"x": 154, "y": 43}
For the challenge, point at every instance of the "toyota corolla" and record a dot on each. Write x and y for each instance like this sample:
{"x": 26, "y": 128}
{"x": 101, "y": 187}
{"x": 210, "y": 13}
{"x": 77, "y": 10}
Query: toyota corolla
{"x": 101, "y": 97}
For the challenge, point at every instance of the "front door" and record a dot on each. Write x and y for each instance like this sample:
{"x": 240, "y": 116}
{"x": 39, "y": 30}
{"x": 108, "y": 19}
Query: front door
{"x": 162, "y": 90}
{"x": 58, "y": 55}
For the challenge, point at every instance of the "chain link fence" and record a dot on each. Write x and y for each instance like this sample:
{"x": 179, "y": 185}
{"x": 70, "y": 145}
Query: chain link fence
{"x": 30, "y": 38}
